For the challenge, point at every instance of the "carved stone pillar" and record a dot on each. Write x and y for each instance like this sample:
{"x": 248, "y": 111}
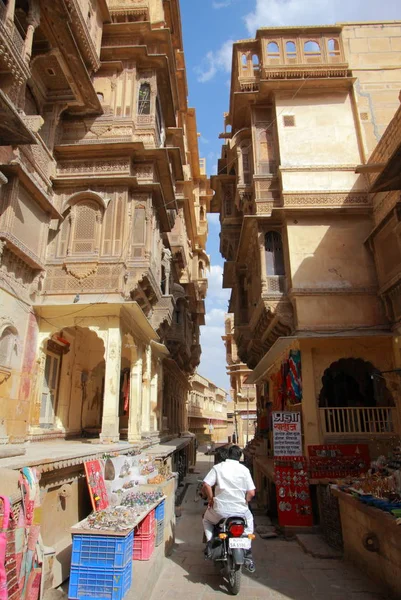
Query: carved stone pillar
{"x": 33, "y": 21}
{"x": 153, "y": 398}
{"x": 135, "y": 402}
{"x": 146, "y": 391}
{"x": 111, "y": 421}
{"x": 9, "y": 14}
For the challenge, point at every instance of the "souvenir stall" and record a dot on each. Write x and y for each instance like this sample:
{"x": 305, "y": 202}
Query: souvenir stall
{"x": 126, "y": 524}
{"x": 370, "y": 509}
{"x": 21, "y": 547}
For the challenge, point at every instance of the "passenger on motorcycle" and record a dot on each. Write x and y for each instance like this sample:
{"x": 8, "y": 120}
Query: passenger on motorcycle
{"x": 234, "y": 490}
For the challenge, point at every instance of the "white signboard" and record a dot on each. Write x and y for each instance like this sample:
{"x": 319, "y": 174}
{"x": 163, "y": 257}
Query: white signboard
{"x": 287, "y": 434}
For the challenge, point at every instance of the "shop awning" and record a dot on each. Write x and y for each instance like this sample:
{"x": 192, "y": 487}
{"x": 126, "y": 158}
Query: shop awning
{"x": 283, "y": 344}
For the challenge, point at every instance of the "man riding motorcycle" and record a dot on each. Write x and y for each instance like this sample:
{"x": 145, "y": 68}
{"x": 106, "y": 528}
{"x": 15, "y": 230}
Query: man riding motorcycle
{"x": 234, "y": 490}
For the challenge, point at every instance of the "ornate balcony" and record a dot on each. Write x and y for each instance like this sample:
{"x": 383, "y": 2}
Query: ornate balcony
{"x": 285, "y": 54}
{"x": 12, "y": 49}
{"x": 124, "y": 12}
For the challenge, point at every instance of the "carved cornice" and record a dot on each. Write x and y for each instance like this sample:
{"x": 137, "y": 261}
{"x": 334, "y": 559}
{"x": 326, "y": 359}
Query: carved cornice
{"x": 330, "y": 291}
{"x": 306, "y": 72}
{"x": 76, "y": 168}
{"x": 83, "y": 34}
{"x": 322, "y": 199}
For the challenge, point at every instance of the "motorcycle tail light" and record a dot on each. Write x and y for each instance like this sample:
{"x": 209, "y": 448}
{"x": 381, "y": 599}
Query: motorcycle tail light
{"x": 236, "y": 530}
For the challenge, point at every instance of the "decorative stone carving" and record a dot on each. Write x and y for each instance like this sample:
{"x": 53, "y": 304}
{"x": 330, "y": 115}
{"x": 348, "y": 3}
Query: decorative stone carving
{"x": 34, "y": 122}
{"x": 72, "y": 167}
{"x": 342, "y": 199}
{"x": 81, "y": 270}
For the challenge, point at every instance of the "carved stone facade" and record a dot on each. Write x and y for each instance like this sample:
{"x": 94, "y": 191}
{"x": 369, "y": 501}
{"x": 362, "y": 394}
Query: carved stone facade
{"x": 103, "y": 226}
{"x": 310, "y": 227}
{"x": 207, "y": 411}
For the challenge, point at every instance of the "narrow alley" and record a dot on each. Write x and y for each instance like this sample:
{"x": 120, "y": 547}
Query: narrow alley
{"x": 284, "y": 571}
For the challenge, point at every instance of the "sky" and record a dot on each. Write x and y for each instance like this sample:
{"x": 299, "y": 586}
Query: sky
{"x": 209, "y": 29}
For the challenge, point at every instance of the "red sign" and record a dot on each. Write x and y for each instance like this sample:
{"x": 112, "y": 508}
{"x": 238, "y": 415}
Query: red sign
{"x": 333, "y": 461}
{"x": 292, "y": 489}
{"x": 96, "y": 484}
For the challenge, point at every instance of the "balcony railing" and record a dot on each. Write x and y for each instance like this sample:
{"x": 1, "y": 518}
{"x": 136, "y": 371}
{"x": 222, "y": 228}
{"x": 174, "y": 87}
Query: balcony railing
{"x": 358, "y": 421}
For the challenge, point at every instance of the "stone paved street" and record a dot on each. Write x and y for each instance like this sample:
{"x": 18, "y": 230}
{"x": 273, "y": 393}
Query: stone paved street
{"x": 284, "y": 571}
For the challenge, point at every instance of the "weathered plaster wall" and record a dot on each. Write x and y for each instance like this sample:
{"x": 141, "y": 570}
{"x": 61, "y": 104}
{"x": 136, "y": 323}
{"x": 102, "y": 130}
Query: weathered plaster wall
{"x": 373, "y": 54}
{"x": 15, "y": 389}
{"x": 324, "y": 131}
{"x": 327, "y": 256}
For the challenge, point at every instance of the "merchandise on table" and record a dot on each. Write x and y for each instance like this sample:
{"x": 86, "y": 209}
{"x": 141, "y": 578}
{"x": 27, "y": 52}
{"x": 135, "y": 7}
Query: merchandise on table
{"x": 141, "y": 499}
{"x": 116, "y": 518}
{"x": 381, "y": 486}
{"x": 158, "y": 479}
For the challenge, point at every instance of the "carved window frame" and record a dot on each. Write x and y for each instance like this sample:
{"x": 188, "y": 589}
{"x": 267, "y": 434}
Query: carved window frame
{"x": 114, "y": 218}
{"x": 150, "y": 80}
{"x": 274, "y": 253}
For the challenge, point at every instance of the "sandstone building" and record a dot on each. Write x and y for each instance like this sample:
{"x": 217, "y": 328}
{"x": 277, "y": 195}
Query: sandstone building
{"x": 243, "y": 395}
{"x": 103, "y": 221}
{"x": 207, "y": 410}
{"x": 315, "y": 310}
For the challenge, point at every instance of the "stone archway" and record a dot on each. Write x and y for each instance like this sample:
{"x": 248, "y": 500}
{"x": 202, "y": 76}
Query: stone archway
{"x": 70, "y": 382}
{"x": 353, "y": 382}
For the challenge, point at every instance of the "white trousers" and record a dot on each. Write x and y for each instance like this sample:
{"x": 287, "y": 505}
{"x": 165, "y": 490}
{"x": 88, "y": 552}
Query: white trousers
{"x": 211, "y": 517}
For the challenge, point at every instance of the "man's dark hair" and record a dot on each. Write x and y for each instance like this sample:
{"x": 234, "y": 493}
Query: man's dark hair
{"x": 234, "y": 453}
{"x": 221, "y": 455}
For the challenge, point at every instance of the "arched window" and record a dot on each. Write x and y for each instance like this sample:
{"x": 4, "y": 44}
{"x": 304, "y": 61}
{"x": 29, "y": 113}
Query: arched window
{"x": 244, "y": 61}
{"x": 85, "y": 229}
{"x": 291, "y": 52}
{"x": 144, "y": 99}
{"x": 255, "y": 62}
{"x": 8, "y": 346}
{"x": 274, "y": 254}
{"x": 273, "y": 52}
{"x": 113, "y": 224}
{"x": 312, "y": 51}
{"x": 201, "y": 270}
{"x": 202, "y": 213}
{"x": 333, "y": 48}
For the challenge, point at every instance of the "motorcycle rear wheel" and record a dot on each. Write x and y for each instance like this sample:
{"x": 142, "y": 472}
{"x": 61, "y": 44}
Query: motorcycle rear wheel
{"x": 234, "y": 579}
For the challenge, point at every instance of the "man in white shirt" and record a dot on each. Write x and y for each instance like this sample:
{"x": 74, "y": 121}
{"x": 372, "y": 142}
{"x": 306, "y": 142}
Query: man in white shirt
{"x": 234, "y": 490}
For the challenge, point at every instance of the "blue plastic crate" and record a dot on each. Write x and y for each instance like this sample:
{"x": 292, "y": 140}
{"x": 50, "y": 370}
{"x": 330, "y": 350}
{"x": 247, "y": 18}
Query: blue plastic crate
{"x": 159, "y": 511}
{"x": 99, "y": 584}
{"x": 107, "y": 551}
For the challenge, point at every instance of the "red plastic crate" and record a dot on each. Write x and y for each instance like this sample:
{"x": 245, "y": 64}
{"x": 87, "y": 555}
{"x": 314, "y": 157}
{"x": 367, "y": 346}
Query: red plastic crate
{"x": 143, "y": 547}
{"x": 147, "y": 526}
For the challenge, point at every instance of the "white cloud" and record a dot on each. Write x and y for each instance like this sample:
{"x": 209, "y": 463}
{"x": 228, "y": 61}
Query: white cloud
{"x": 213, "y": 359}
{"x": 203, "y": 140}
{"x": 215, "y": 61}
{"x": 216, "y": 296}
{"x": 223, "y": 4}
{"x": 213, "y": 219}
{"x": 314, "y": 12}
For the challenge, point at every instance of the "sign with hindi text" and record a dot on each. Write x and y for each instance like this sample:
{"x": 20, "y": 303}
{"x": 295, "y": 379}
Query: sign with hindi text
{"x": 287, "y": 435}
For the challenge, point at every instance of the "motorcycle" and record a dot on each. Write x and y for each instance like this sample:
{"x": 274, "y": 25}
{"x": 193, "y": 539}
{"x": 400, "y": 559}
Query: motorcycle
{"x": 230, "y": 550}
